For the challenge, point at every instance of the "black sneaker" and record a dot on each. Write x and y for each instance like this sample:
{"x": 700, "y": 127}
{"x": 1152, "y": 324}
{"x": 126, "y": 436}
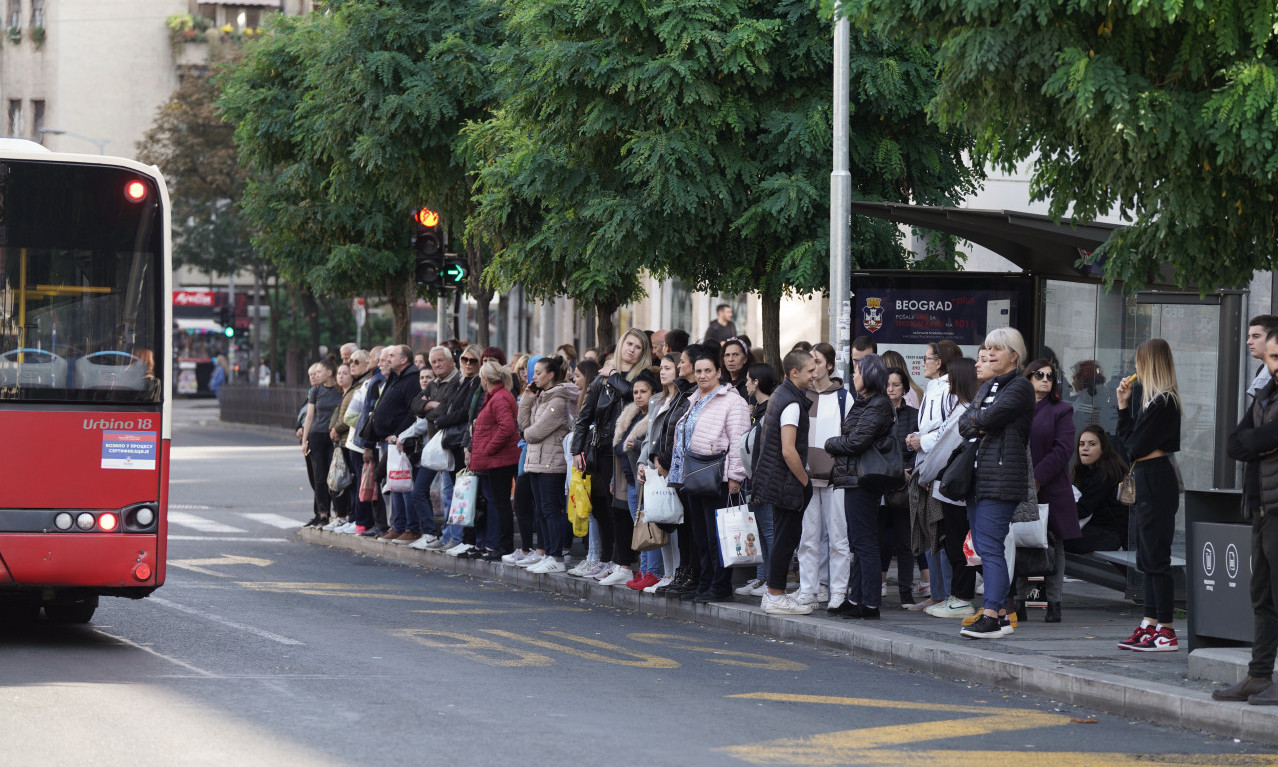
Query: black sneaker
{"x": 985, "y": 627}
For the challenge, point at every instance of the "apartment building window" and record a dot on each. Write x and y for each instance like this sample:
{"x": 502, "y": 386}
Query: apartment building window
{"x": 14, "y": 15}
{"x": 37, "y": 13}
{"x": 15, "y": 117}
{"x": 37, "y": 119}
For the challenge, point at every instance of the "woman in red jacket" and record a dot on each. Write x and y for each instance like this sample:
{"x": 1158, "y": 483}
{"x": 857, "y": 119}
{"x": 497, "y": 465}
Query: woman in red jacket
{"x": 494, "y": 456}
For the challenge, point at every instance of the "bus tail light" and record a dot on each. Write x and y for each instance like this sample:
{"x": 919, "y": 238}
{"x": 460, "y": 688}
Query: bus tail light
{"x": 135, "y": 191}
{"x": 64, "y": 521}
{"x": 142, "y": 572}
{"x": 85, "y": 521}
{"x": 108, "y": 522}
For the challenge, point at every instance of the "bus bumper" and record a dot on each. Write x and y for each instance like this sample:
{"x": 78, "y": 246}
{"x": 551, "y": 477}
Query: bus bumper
{"x": 112, "y": 564}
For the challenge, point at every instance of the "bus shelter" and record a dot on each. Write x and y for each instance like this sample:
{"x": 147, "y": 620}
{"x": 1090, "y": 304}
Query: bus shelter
{"x": 1064, "y": 311}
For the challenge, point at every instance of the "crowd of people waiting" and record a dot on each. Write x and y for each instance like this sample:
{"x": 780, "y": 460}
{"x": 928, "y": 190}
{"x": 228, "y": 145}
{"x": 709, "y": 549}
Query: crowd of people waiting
{"x": 795, "y": 445}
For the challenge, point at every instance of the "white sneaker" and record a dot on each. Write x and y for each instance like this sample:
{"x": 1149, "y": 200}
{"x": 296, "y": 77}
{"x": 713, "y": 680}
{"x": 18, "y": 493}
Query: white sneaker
{"x": 546, "y": 566}
{"x": 952, "y": 608}
{"x": 513, "y": 557}
{"x": 805, "y": 598}
{"x": 883, "y": 591}
{"x": 346, "y": 529}
{"x": 459, "y": 549}
{"x": 331, "y": 526}
{"x": 653, "y": 588}
{"x": 603, "y": 571}
{"x": 922, "y": 588}
{"x": 761, "y": 589}
{"x": 530, "y": 559}
{"x": 618, "y": 577}
{"x": 748, "y": 588}
{"x": 823, "y": 593}
{"x": 784, "y": 604}
{"x": 583, "y": 567}
{"x": 424, "y": 542}
{"x": 436, "y": 545}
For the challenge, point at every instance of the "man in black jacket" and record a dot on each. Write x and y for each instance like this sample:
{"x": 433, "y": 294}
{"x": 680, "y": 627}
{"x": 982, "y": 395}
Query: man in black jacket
{"x": 781, "y": 478}
{"x": 392, "y": 414}
{"x": 1256, "y": 442}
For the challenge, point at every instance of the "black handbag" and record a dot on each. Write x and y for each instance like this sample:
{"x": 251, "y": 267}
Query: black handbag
{"x": 956, "y": 479}
{"x": 454, "y": 437}
{"x": 703, "y": 474}
{"x": 1034, "y": 563}
{"x": 881, "y": 468}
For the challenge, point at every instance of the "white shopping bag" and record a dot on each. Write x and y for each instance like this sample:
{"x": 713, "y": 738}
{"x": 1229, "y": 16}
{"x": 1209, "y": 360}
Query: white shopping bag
{"x": 661, "y": 502}
{"x": 465, "y": 493}
{"x": 399, "y": 471}
{"x": 435, "y": 456}
{"x": 739, "y": 542}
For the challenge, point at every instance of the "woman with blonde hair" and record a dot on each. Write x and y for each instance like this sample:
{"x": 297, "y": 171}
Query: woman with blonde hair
{"x": 1151, "y": 436}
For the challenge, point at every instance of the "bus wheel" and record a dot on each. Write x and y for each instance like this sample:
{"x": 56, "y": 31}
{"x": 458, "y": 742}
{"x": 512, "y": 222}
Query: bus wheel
{"x": 18, "y": 613}
{"x": 76, "y": 611}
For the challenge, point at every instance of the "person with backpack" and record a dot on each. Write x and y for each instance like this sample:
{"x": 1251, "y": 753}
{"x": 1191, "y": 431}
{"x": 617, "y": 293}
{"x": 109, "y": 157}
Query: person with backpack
{"x": 761, "y": 381}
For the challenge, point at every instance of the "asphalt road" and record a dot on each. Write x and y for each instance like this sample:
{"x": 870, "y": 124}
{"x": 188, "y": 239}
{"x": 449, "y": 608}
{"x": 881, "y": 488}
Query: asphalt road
{"x": 262, "y": 650}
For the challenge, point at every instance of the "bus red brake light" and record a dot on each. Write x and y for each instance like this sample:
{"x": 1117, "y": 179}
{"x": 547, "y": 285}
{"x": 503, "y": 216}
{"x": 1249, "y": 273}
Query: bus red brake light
{"x": 108, "y": 522}
{"x": 135, "y": 191}
{"x": 142, "y": 571}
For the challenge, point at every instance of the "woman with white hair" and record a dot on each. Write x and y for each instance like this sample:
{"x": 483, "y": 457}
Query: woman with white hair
{"x": 1001, "y": 418}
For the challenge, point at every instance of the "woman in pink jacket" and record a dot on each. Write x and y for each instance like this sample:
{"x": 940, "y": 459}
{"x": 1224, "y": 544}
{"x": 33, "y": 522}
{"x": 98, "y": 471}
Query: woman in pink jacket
{"x": 494, "y": 455}
{"x": 712, "y": 427}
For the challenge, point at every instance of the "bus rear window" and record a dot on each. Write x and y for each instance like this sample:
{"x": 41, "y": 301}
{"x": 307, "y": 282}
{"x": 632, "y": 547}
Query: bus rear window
{"x": 80, "y": 284}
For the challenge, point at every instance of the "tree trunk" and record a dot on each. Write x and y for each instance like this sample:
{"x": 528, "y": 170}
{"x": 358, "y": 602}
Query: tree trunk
{"x": 771, "y": 305}
{"x": 607, "y": 329}
{"x": 310, "y": 311}
{"x": 478, "y": 289}
{"x": 400, "y": 294}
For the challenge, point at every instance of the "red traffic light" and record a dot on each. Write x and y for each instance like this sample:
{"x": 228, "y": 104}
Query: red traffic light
{"x": 427, "y": 218}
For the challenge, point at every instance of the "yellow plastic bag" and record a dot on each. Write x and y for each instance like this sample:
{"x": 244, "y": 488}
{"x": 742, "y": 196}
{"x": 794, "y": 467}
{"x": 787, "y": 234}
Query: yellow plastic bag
{"x": 579, "y": 503}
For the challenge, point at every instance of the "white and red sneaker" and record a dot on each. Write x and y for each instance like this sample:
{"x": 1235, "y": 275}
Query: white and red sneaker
{"x": 1136, "y": 638}
{"x": 1160, "y": 640}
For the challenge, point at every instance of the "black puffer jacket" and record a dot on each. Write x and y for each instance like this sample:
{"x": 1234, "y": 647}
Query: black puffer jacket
{"x": 1001, "y": 416}
{"x": 605, "y": 399}
{"x": 664, "y": 445}
{"x": 907, "y": 422}
{"x": 772, "y": 481}
{"x": 1255, "y": 435}
{"x": 868, "y": 421}
{"x": 394, "y": 411}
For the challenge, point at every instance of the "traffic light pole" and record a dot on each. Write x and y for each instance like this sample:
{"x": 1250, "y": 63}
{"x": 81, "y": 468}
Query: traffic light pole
{"x": 841, "y": 205}
{"x": 230, "y": 345}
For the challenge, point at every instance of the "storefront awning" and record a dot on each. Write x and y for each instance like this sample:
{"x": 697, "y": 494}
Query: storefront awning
{"x": 189, "y": 325}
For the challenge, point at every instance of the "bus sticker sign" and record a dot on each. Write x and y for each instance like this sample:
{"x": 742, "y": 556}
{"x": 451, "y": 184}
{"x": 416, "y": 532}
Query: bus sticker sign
{"x": 129, "y": 450}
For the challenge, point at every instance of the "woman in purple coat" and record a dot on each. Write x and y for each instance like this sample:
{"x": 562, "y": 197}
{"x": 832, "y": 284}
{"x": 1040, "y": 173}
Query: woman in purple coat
{"x": 1051, "y": 445}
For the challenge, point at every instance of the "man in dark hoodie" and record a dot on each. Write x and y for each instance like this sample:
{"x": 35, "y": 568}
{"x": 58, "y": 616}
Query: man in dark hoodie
{"x": 392, "y": 415}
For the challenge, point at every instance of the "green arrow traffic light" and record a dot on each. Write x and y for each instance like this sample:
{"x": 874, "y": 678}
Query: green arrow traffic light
{"x": 454, "y": 273}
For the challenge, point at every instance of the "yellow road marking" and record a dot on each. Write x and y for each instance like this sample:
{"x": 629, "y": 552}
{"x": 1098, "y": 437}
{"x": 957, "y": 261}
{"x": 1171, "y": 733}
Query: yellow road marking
{"x": 499, "y": 611}
{"x": 641, "y": 660}
{"x": 341, "y": 590}
{"x": 866, "y": 702}
{"x": 728, "y": 657}
{"x": 475, "y": 648}
{"x": 200, "y": 565}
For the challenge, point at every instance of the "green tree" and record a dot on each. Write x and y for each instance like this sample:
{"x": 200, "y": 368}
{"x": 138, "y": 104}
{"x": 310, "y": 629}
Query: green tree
{"x": 1164, "y": 110}
{"x": 694, "y": 139}
{"x": 348, "y": 119}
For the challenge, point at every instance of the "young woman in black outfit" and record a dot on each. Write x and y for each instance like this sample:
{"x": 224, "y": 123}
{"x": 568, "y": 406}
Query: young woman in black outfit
{"x": 1098, "y": 470}
{"x": 1151, "y": 437}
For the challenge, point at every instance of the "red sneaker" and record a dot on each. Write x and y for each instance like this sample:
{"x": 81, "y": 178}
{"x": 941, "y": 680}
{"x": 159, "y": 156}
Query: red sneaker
{"x": 643, "y": 581}
{"x": 1136, "y": 638}
{"x": 1159, "y": 640}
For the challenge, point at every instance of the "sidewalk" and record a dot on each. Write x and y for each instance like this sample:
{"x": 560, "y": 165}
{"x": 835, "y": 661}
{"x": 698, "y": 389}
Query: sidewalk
{"x": 1075, "y": 661}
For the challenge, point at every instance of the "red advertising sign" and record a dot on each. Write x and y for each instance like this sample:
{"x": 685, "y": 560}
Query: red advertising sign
{"x": 193, "y": 297}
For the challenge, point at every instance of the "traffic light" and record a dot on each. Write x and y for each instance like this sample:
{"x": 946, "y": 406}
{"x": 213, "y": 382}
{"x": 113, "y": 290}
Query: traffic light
{"x": 224, "y": 316}
{"x": 428, "y": 246}
{"x": 454, "y": 273}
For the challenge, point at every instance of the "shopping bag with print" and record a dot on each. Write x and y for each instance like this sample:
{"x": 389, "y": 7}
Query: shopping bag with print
{"x": 969, "y": 551}
{"x": 661, "y": 504}
{"x": 465, "y": 493}
{"x": 368, "y": 483}
{"x": 579, "y": 503}
{"x": 399, "y": 471}
{"x": 738, "y": 536}
{"x": 339, "y": 474}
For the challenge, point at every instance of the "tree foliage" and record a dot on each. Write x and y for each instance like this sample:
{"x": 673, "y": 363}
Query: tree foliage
{"x": 1165, "y": 110}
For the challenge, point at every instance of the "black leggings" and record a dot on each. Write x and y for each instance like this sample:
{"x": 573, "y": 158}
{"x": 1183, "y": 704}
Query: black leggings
{"x": 601, "y": 505}
{"x": 1157, "y": 499}
{"x": 963, "y": 584}
{"x": 319, "y": 457}
{"x": 894, "y": 538}
{"x": 525, "y": 511}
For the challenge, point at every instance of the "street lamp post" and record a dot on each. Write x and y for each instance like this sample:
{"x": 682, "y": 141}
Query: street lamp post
{"x": 840, "y": 203}
{"x": 100, "y": 143}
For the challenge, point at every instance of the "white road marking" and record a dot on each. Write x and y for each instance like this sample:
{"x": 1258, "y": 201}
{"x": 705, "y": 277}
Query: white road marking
{"x": 189, "y": 507}
{"x": 182, "y": 519}
{"x": 224, "y": 621}
{"x": 156, "y": 653}
{"x": 274, "y": 520}
{"x": 227, "y": 538}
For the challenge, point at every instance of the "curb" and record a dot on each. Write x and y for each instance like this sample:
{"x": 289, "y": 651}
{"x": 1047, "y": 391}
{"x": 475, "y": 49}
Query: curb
{"x": 1129, "y": 698}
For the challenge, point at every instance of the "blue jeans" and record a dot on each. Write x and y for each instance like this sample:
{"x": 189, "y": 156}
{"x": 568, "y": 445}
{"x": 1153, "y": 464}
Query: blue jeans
{"x": 649, "y": 561}
{"x": 763, "y": 518}
{"x": 552, "y": 514}
{"x": 421, "y": 508}
{"x": 938, "y": 566}
{"x": 862, "y": 510}
{"x": 990, "y": 520}
{"x": 401, "y": 517}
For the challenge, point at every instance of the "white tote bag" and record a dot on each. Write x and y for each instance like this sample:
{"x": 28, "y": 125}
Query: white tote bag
{"x": 399, "y": 471}
{"x": 1032, "y": 535}
{"x": 739, "y": 542}
{"x": 465, "y": 493}
{"x": 435, "y": 456}
{"x": 661, "y": 503}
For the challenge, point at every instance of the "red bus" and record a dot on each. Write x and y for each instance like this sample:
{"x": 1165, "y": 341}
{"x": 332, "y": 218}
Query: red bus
{"x": 85, "y": 357}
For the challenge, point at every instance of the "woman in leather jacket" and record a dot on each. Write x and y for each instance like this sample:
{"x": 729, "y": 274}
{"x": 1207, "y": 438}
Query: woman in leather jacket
{"x": 607, "y": 396}
{"x": 867, "y": 422}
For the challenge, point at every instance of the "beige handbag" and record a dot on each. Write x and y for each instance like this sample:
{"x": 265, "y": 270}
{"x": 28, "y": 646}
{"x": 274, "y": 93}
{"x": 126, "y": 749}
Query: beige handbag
{"x": 1127, "y": 489}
